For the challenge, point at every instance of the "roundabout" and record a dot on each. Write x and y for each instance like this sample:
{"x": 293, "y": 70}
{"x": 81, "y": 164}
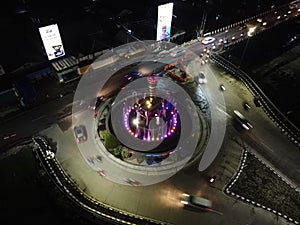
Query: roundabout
{"x": 148, "y": 130}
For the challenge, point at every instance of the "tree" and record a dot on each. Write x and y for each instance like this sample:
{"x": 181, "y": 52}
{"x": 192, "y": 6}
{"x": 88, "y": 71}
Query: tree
{"x": 110, "y": 141}
{"x": 117, "y": 151}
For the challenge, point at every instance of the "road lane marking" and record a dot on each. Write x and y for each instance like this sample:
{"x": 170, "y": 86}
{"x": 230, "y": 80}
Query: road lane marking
{"x": 223, "y": 111}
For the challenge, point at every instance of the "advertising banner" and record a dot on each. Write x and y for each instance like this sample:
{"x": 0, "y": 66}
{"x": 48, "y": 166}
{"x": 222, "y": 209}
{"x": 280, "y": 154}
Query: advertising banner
{"x": 164, "y": 20}
{"x": 52, "y": 41}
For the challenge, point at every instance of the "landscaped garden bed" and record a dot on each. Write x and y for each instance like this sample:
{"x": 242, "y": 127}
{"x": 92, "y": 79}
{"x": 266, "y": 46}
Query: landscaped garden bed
{"x": 261, "y": 186}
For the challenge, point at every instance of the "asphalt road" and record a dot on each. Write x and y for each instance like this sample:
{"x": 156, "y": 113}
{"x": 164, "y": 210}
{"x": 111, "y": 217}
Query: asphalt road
{"x": 165, "y": 197}
{"x": 161, "y": 201}
{"x": 28, "y": 123}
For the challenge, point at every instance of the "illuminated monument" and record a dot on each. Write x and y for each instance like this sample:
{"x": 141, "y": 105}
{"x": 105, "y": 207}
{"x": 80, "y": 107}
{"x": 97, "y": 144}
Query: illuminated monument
{"x": 152, "y": 118}
{"x": 148, "y": 127}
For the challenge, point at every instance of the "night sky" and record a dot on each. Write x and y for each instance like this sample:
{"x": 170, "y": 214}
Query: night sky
{"x": 87, "y": 26}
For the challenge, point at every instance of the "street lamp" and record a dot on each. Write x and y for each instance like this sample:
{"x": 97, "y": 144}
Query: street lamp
{"x": 251, "y": 31}
{"x": 249, "y": 34}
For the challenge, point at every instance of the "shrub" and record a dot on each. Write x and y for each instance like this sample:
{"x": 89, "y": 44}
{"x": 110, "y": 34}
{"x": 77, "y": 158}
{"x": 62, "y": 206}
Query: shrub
{"x": 109, "y": 140}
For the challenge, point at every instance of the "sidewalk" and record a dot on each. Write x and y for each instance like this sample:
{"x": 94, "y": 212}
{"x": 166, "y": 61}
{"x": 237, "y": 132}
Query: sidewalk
{"x": 227, "y": 163}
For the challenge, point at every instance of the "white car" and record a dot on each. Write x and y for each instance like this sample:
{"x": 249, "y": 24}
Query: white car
{"x": 208, "y": 40}
{"x": 222, "y": 87}
{"x": 49, "y": 154}
{"x": 242, "y": 120}
{"x": 196, "y": 202}
{"x": 200, "y": 78}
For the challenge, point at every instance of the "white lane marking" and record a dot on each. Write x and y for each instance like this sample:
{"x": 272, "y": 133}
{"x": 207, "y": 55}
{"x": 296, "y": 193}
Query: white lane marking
{"x": 223, "y": 111}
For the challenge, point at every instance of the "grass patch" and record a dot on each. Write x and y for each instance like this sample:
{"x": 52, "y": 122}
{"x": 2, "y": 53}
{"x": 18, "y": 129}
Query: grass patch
{"x": 23, "y": 200}
{"x": 28, "y": 196}
{"x": 260, "y": 184}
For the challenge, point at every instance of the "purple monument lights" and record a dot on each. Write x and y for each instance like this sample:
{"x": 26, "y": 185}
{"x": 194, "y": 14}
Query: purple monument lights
{"x": 151, "y": 118}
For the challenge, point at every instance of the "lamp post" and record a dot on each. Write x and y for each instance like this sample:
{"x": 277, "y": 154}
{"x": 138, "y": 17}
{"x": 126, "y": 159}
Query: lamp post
{"x": 249, "y": 35}
{"x": 244, "y": 51}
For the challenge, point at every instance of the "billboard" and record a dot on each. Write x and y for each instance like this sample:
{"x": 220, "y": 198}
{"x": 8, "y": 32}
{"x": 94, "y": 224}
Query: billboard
{"x": 52, "y": 41}
{"x": 164, "y": 20}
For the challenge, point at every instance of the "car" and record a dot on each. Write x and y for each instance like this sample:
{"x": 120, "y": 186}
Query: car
{"x": 212, "y": 179}
{"x": 132, "y": 75}
{"x": 8, "y": 136}
{"x": 259, "y": 19}
{"x": 208, "y": 40}
{"x": 242, "y": 120}
{"x": 95, "y": 102}
{"x": 220, "y": 42}
{"x": 49, "y": 154}
{"x": 205, "y": 50}
{"x": 222, "y": 87}
{"x": 246, "y": 106}
{"x": 160, "y": 73}
{"x": 200, "y": 78}
{"x": 80, "y": 133}
{"x": 92, "y": 105}
{"x": 242, "y": 26}
{"x": 101, "y": 172}
{"x": 196, "y": 202}
{"x": 132, "y": 182}
{"x": 257, "y": 101}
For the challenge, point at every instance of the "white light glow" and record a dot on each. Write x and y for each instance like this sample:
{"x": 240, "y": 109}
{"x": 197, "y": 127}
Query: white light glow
{"x": 135, "y": 122}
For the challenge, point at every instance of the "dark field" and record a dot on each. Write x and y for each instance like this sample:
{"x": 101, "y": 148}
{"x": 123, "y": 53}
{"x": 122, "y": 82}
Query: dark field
{"x": 29, "y": 197}
{"x": 258, "y": 183}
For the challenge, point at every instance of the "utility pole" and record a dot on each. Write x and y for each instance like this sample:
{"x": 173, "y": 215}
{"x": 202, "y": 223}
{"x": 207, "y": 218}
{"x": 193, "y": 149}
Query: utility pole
{"x": 203, "y": 21}
{"x": 207, "y": 7}
{"x": 244, "y": 51}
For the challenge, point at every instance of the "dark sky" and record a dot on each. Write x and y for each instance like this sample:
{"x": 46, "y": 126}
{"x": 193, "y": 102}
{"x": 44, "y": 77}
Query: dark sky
{"x": 85, "y": 26}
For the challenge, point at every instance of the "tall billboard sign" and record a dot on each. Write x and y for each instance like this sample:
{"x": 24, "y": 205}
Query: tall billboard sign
{"x": 164, "y": 20}
{"x": 52, "y": 41}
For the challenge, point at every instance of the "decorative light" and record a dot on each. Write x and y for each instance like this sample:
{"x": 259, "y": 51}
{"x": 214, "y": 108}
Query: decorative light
{"x": 136, "y": 119}
{"x": 135, "y": 122}
{"x": 149, "y": 104}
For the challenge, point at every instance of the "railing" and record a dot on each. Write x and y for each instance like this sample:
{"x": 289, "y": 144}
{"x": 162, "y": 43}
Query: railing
{"x": 67, "y": 186}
